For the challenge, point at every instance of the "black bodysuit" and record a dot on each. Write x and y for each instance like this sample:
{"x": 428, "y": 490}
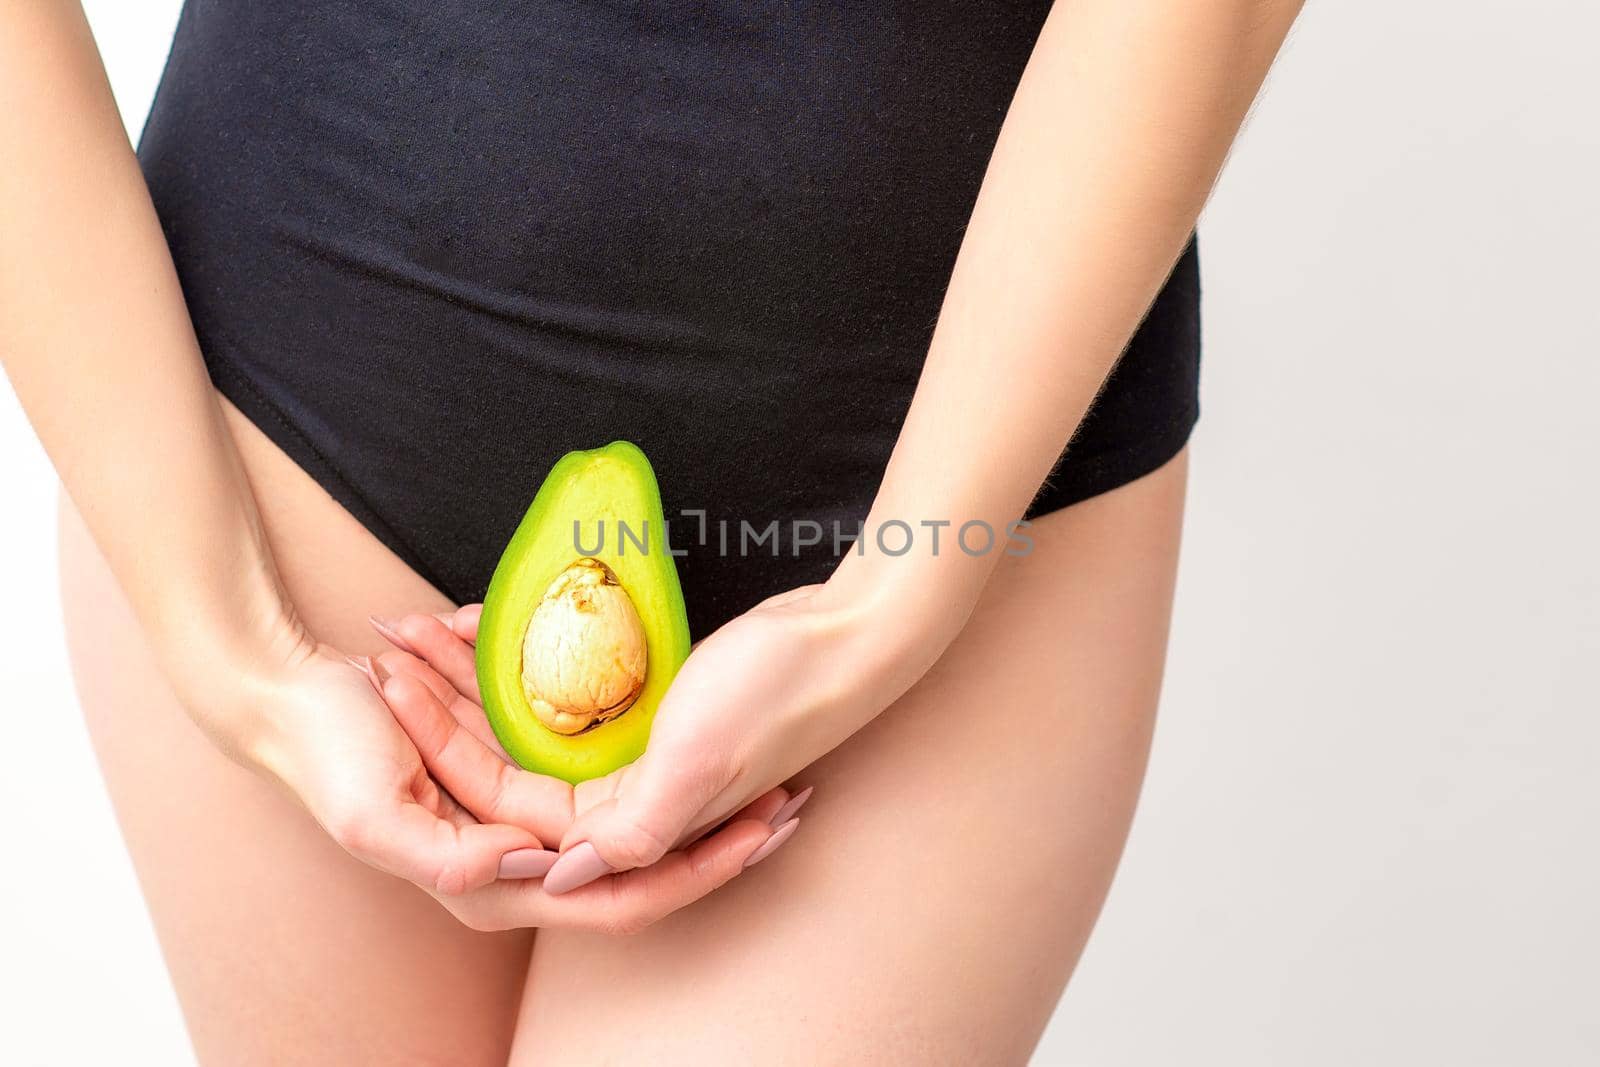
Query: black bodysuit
{"x": 429, "y": 247}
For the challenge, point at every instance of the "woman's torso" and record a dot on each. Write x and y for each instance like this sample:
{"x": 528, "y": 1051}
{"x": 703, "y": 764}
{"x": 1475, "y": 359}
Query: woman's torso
{"x": 431, "y": 247}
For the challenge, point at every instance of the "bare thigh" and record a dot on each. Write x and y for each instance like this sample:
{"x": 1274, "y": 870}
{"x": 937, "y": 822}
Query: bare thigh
{"x": 949, "y": 869}
{"x": 283, "y": 949}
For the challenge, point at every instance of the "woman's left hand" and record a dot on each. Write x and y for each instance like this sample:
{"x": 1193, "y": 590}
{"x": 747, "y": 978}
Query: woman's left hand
{"x": 760, "y": 699}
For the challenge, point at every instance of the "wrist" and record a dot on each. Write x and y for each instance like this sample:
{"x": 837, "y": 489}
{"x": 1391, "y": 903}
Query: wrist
{"x": 225, "y": 665}
{"x": 897, "y": 615}
{"x": 919, "y": 600}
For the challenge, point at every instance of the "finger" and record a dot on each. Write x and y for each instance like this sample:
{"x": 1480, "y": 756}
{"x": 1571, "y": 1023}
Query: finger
{"x": 593, "y": 792}
{"x": 528, "y": 862}
{"x": 389, "y": 630}
{"x": 631, "y": 901}
{"x": 399, "y": 662}
{"x": 437, "y": 644}
{"x": 493, "y": 790}
{"x": 645, "y": 895}
{"x": 791, "y": 807}
{"x": 413, "y": 843}
{"x": 468, "y": 714}
{"x": 767, "y": 808}
{"x": 774, "y": 807}
{"x": 764, "y": 807}
{"x": 465, "y": 622}
{"x": 662, "y": 795}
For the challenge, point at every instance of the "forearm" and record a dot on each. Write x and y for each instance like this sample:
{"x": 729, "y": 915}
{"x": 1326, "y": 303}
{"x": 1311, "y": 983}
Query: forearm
{"x": 98, "y": 345}
{"x": 1112, "y": 143}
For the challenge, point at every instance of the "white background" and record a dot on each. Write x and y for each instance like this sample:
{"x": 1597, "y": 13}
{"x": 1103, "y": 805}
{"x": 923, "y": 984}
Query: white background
{"x": 1369, "y": 834}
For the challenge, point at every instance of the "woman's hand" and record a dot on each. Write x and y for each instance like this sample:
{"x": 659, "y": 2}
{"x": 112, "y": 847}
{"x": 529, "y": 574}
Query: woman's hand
{"x": 759, "y": 700}
{"x": 320, "y": 725}
{"x": 432, "y": 687}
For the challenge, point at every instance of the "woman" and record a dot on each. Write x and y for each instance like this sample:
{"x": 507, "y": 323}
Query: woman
{"x": 826, "y": 264}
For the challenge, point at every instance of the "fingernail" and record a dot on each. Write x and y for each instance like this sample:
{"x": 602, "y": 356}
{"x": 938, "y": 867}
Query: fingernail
{"x": 387, "y": 630}
{"x": 768, "y": 847}
{"x": 527, "y": 863}
{"x": 787, "y": 812}
{"x": 578, "y": 866}
{"x": 381, "y": 673}
{"x": 364, "y": 665}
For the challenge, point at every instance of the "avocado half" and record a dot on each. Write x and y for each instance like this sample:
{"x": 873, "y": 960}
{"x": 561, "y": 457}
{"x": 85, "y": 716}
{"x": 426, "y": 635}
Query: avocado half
{"x": 589, "y": 555}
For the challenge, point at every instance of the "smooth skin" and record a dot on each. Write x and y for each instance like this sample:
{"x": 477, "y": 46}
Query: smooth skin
{"x": 944, "y": 879}
{"x": 1110, "y": 147}
{"x": 957, "y": 848}
{"x": 104, "y": 359}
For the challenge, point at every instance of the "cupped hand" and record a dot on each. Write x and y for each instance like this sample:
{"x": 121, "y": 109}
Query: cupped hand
{"x": 321, "y": 726}
{"x": 323, "y": 731}
{"x": 430, "y": 684}
{"x": 756, "y": 702}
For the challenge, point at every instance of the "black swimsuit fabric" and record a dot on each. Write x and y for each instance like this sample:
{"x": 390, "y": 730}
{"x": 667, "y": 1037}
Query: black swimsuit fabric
{"x": 430, "y": 247}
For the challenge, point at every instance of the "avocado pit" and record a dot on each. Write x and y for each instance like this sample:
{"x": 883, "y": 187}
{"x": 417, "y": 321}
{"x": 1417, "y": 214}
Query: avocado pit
{"x": 583, "y": 656}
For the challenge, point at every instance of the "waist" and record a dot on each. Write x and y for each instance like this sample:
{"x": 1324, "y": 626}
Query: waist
{"x": 800, "y": 174}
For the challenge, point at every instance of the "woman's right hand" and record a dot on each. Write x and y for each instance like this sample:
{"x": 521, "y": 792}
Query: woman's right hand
{"x": 96, "y": 339}
{"x": 317, "y": 723}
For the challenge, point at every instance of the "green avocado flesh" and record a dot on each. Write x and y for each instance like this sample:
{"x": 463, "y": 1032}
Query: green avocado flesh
{"x": 601, "y": 490}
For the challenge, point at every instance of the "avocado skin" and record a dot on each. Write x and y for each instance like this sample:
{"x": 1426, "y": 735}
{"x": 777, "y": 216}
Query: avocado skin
{"x": 593, "y": 486}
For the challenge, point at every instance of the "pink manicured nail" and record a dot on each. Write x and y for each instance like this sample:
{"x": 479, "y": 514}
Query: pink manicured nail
{"x": 779, "y": 836}
{"x": 387, "y": 630}
{"x": 578, "y": 866}
{"x": 364, "y": 664}
{"x": 787, "y": 812}
{"x": 527, "y": 863}
{"x": 380, "y": 673}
